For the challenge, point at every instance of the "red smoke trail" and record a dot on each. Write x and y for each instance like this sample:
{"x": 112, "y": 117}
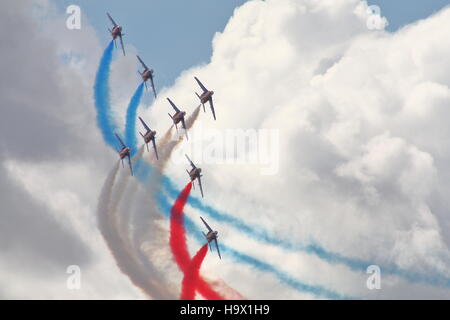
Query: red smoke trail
{"x": 178, "y": 243}
{"x": 191, "y": 276}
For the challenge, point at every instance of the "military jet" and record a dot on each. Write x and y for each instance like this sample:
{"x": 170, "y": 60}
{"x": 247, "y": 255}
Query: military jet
{"x": 211, "y": 236}
{"x": 124, "y": 152}
{"x": 146, "y": 75}
{"x": 205, "y": 97}
{"x": 195, "y": 173}
{"x": 178, "y": 117}
{"x": 116, "y": 32}
{"x": 149, "y": 136}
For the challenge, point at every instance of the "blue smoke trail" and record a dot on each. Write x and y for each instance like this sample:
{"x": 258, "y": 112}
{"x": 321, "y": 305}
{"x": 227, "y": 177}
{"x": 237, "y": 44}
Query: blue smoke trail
{"x": 144, "y": 170}
{"x": 130, "y": 125}
{"x": 101, "y": 98}
{"x": 240, "y": 257}
{"x": 262, "y": 235}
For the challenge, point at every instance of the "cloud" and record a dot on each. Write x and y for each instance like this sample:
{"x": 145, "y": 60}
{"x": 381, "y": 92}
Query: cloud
{"x": 51, "y": 163}
{"x": 363, "y": 150}
{"x": 363, "y": 138}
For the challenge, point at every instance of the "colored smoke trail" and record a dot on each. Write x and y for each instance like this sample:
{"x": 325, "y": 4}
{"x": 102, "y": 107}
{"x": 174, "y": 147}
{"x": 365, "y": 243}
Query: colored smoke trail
{"x": 107, "y": 127}
{"x": 124, "y": 259}
{"x": 107, "y": 207}
{"x": 191, "y": 276}
{"x": 178, "y": 243}
{"x": 130, "y": 125}
{"x": 260, "y": 234}
{"x": 101, "y": 98}
{"x": 107, "y": 220}
{"x": 243, "y": 258}
{"x": 177, "y": 233}
{"x": 151, "y": 178}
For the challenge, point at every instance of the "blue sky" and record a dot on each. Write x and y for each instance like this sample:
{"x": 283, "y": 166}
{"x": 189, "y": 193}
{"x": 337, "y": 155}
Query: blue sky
{"x": 173, "y": 35}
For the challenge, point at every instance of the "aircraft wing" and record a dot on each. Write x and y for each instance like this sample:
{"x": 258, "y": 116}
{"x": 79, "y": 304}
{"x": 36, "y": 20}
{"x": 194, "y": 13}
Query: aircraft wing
{"x": 212, "y": 107}
{"x": 173, "y": 105}
{"x": 201, "y": 85}
{"x": 207, "y": 226}
{"x": 144, "y": 124}
{"x": 121, "y": 43}
{"x": 153, "y": 86}
{"x": 217, "y": 247}
{"x": 200, "y": 185}
{"x": 112, "y": 21}
{"x": 129, "y": 162}
{"x": 120, "y": 140}
{"x": 154, "y": 147}
{"x": 192, "y": 164}
{"x": 142, "y": 62}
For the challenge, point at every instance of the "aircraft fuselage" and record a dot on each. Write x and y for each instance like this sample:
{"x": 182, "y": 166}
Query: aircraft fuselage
{"x": 149, "y": 136}
{"x": 178, "y": 116}
{"x": 211, "y": 235}
{"x": 116, "y": 31}
{"x": 147, "y": 74}
{"x": 206, "y": 96}
{"x": 124, "y": 152}
{"x": 195, "y": 173}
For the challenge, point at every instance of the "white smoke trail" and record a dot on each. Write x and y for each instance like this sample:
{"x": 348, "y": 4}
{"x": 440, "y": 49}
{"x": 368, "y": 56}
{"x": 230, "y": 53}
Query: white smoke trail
{"x": 153, "y": 186}
{"x": 149, "y": 237}
{"x": 125, "y": 260}
{"x": 133, "y": 225}
{"x": 138, "y": 220}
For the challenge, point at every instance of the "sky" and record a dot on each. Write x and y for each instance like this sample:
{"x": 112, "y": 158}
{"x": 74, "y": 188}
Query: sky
{"x": 174, "y": 35}
{"x": 344, "y": 162}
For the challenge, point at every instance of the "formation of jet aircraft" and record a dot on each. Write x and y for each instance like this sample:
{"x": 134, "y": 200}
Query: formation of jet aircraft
{"x": 195, "y": 173}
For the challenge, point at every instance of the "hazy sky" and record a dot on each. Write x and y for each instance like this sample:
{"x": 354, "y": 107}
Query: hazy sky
{"x": 173, "y": 35}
